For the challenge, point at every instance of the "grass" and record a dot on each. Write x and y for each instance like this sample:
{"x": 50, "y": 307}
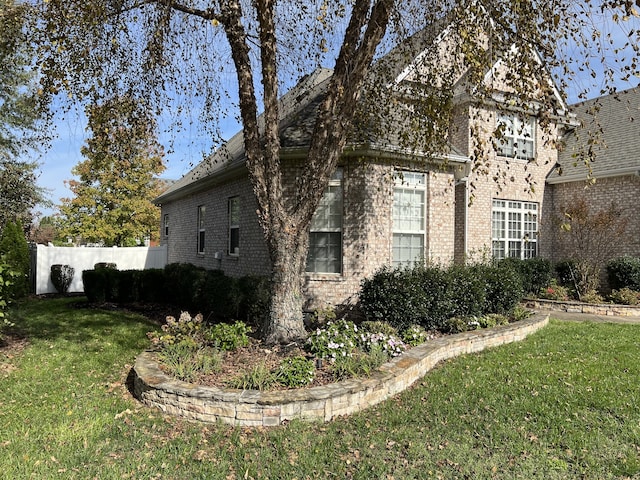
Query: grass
{"x": 562, "y": 404}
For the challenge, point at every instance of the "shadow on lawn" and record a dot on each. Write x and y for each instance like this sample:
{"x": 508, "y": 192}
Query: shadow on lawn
{"x": 73, "y": 319}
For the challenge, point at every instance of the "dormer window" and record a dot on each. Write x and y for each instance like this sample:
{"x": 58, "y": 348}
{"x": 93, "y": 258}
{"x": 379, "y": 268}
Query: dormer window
{"x": 517, "y": 137}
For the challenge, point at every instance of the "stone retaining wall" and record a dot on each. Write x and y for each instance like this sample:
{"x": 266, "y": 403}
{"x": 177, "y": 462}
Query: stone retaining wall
{"x": 580, "y": 307}
{"x": 255, "y": 408}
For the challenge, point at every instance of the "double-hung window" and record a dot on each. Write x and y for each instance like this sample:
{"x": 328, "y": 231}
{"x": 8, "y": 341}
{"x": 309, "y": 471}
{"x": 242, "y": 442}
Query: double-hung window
{"x": 514, "y": 227}
{"x": 517, "y": 137}
{"x": 166, "y": 224}
{"x": 409, "y": 218}
{"x": 325, "y": 234}
{"x": 234, "y": 226}
{"x": 201, "y": 228}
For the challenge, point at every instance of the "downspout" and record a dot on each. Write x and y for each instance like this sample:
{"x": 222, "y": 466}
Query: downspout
{"x": 462, "y": 177}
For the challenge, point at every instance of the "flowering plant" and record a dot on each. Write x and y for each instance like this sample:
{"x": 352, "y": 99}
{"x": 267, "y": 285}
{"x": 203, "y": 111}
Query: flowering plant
{"x": 389, "y": 344}
{"x": 186, "y": 328}
{"x": 337, "y": 339}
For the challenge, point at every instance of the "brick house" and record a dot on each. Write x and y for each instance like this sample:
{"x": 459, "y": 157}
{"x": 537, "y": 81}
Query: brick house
{"x": 607, "y": 138}
{"x": 384, "y": 205}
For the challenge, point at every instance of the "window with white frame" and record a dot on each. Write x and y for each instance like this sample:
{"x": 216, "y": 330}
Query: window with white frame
{"x": 201, "y": 228}
{"x": 325, "y": 234}
{"x": 409, "y": 217}
{"x": 234, "y": 226}
{"x": 166, "y": 224}
{"x": 514, "y": 226}
{"x": 517, "y": 140}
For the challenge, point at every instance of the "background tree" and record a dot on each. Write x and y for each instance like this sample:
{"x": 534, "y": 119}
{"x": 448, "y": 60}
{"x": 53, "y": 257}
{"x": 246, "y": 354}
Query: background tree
{"x": 15, "y": 252}
{"x": 20, "y": 111}
{"x": 118, "y": 180}
{"x": 588, "y": 237}
{"x": 180, "y": 54}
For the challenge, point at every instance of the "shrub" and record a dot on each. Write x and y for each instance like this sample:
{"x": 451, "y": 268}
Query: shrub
{"x": 95, "y": 285}
{"x": 390, "y": 345}
{"x": 535, "y": 273}
{"x": 467, "y": 291}
{"x": 460, "y": 324}
{"x": 184, "y": 283}
{"x": 255, "y": 302}
{"x": 105, "y": 265}
{"x": 519, "y": 313}
{"x": 566, "y": 273}
{"x": 61, "y": 277}
{"x": 554, "y": 292}
{"x": 591, "y": 296}
{"x": 625, "y": 296}
{"x": 379, "y": 327}
{"x": 337, "y": 339}
{"x": 6, "y": 278}
{"x": 295, "y": 372}
{"x": 415, "y": 335}
{"x": 624, "y": 272}
{"x": 492, "y": 320}
{"x": 502, "y": 286}
{"x": 228, "y": 337}
{"x": 151, "y": 286}
{"x": 186, "y": 329}
{"x": 218, "y": 295}
{"x": 14, "y": 247}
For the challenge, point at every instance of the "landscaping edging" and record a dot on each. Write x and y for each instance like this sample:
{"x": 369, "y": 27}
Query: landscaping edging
{"x": 254, "y": 408}
{"x": 606, "y": 309}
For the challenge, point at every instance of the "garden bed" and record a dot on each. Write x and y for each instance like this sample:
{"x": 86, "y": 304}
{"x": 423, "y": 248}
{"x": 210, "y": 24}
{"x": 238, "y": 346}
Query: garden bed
{"x": 255, "y": 408}
{"x": 571, "y": 306}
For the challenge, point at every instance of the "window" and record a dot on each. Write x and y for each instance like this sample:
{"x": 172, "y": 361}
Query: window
{"x": 325, "y": 235}
{"x": 234, "y": 226}
{"x": 166, "y": 225}
{"x": 201, "y": 230}
{"x": 517, "y": 137}
{"x": 409, "y": 212}
{"x": 514, "y": 228}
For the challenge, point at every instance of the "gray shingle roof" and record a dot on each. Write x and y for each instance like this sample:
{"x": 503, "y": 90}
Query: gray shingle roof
{"x": 609, "y": 134}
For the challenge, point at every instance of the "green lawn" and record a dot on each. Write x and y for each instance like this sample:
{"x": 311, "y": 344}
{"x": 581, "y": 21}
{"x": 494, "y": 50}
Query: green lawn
{"x": 562, "y": 404}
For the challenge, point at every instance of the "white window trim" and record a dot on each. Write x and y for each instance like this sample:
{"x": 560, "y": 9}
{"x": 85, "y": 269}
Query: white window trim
{"x": 166, "y": 224}
{"x": 201, "y": 238}
{"x": 528, "y": 238}
{"x": 335, "y": 181}
{"x": 519, "y": 135}
{"x": 233, "y": 226}
{"x": 406, "y": 180}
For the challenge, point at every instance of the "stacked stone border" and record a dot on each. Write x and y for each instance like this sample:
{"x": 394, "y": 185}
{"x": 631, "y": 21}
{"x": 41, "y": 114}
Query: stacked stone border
{"x": 603, "y": 309}
{"x": 254, "y": 408}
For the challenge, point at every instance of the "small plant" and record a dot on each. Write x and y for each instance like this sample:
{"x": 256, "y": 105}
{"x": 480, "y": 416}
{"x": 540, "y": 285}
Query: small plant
{"x": 337, "y": 339}
{"x": 519, "y": 313}
{"x": 359, "y": 364}
{"x": 415, "y": 335}
{"x": 175, "y": 331}
{"x": 625, "y": 296}
{"x": 391, "y": 345}
{"x": 378, "y": 326}
{"x": 492, "y": 320}
{"x": 554, "y": 292}
{"x": 323, "y": 315}
{"x": 459, "y": 324}
{"x": 295, "y": 372}
{"x": 61, "y": 277}
{"x": 257, "y": 378}
{"x": 591, "y": 296}
{"x": 228, "y": 337}
{"x": 186, "y": 360}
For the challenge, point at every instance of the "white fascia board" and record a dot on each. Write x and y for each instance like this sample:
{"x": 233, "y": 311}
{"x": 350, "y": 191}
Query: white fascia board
{"x": 620, "y": 172}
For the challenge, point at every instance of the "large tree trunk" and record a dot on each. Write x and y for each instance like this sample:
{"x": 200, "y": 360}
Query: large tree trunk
{"x": 289, "y": 255}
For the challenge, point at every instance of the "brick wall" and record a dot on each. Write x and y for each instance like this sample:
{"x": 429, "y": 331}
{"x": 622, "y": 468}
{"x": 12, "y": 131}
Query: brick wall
{"x": 622, "y": 190}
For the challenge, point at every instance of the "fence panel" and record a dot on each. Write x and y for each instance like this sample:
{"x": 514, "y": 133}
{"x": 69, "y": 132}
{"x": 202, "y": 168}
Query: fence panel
{"x": 84, "y": 258}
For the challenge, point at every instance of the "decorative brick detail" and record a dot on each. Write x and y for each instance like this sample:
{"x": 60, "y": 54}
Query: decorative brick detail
{"x": 253, "y": 408}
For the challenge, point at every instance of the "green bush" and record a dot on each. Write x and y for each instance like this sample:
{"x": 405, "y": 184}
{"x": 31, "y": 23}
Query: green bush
{"x": 151, "y": 286}
{"x": 502, "y": 286}
{"x": 186, "y": 329}
{"x": 95, "y": 285}
{"x": 184, "y": 283}
{"x": 535, "y": 273}
{"x": 624, "y": 272}
{"x": 255, "y": 292}
{"x": 14, "y": 247}
{"x": 295, "y": 372}
{"x": 554, "y": 291}
{"x": 337, "y": 339}
{"x": 566, "y": 273}
{"x": 61, "y": 277}
{"x": 429, "y": 296}
{"x": 625, "y": 296}
{"x": 219, "y": 295}
{"x": 6, "y": 280}
{"x": 228, "y": 337}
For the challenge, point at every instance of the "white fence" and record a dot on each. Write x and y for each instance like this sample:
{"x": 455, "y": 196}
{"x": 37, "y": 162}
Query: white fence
{"x": 84, "y": 258}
